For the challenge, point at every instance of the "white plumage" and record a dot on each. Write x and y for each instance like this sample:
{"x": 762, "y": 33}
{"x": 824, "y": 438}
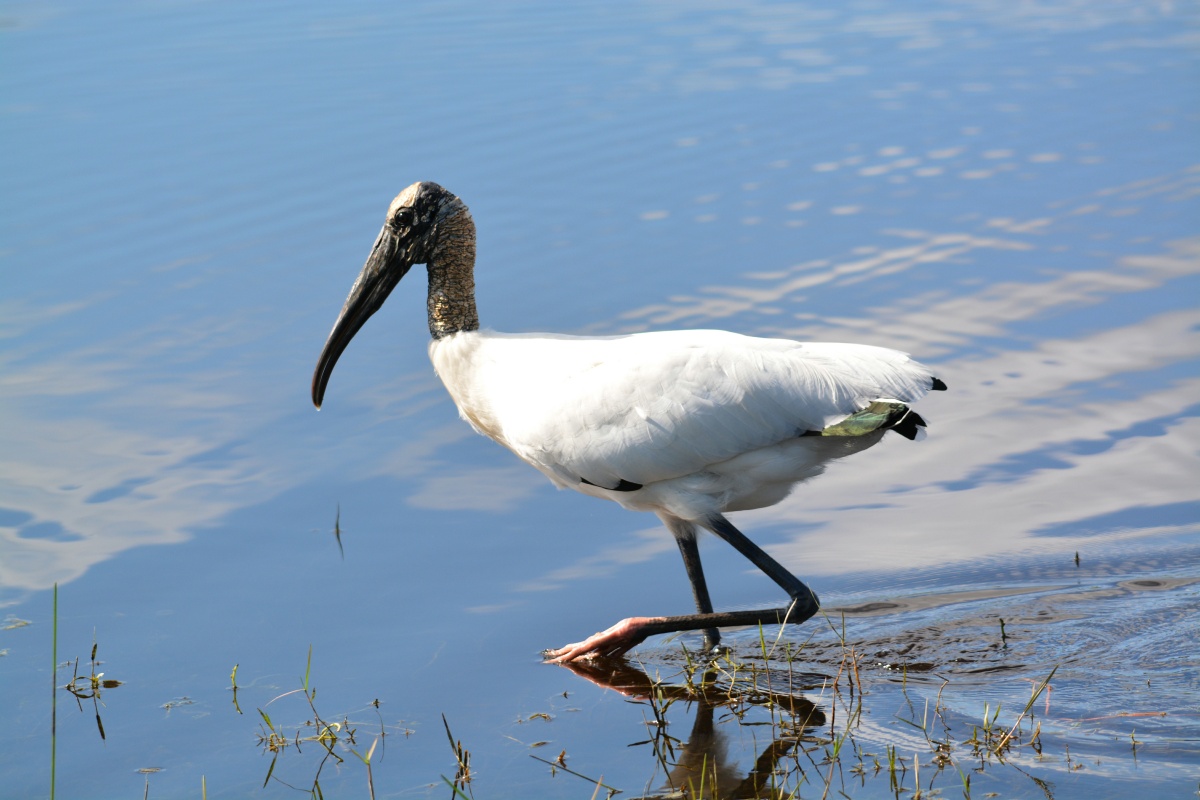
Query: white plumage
{"x": 706, "y": 421}
{"x": 687, "y": 424}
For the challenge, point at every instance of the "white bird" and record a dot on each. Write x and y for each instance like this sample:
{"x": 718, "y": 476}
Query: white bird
{"x": 687, "y": 424}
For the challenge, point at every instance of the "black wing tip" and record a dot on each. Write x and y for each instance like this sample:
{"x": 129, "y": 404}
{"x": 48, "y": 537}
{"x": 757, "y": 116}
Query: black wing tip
{"x": 622, "y": 485}
{"x": 938, "y": 385}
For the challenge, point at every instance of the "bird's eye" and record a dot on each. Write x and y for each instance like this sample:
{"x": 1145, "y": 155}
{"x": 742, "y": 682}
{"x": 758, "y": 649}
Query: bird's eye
{"x": 403, "y": 218}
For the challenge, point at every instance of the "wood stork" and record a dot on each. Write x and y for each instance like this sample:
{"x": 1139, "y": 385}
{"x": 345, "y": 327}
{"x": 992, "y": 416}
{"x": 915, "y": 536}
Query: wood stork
{"x": 687, "y": 424}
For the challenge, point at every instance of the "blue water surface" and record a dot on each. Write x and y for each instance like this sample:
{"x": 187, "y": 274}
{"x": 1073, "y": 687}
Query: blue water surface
{"x": 1007, "y": 191}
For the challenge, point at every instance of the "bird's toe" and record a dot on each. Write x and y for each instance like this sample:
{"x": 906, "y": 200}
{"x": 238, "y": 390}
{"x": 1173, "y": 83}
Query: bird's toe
{"x": 615, "y": 641}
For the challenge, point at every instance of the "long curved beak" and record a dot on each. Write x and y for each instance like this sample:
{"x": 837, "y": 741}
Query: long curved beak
{"x": 387, "y": 264}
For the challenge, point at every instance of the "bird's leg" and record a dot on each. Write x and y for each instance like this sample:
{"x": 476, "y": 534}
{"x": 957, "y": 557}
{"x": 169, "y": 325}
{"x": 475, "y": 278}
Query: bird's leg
{"x": 629, "y": 633}
{"x": 685, "y": 536}
{"x": 804, "y": 600}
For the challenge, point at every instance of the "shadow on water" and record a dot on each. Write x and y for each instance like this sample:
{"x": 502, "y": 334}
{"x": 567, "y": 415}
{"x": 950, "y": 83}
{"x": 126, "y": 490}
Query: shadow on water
{"x": 704, "y": 764}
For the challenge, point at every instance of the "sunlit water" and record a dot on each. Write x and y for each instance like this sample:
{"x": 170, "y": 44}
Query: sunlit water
{"x": 1008, "y": 192}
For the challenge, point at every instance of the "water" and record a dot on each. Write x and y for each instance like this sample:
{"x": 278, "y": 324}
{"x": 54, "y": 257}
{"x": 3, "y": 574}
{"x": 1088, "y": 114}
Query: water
{"x": 1009, "y": 193}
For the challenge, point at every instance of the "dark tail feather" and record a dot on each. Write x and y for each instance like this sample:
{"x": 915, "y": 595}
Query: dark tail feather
{"x": 907, "y": 423}
{"x": 622, "y": 485}
{"x": 938, "y": 386}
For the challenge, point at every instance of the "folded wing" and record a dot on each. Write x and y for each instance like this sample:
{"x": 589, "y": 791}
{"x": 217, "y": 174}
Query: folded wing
{"x": 630, "y": 410}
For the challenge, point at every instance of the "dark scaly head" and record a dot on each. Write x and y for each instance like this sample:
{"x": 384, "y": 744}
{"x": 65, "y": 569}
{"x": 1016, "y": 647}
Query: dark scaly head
{"x": 425, "y": 224}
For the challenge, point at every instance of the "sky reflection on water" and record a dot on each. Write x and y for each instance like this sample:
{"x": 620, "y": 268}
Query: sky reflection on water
{"x": 1007, "y": 192}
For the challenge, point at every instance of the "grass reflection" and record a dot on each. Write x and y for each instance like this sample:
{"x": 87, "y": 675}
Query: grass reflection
{"x": 722, "y": 689}
{"x": 831, "y": 747}
{"x": 90, "y": 686}
{"x": 326, "y": 735}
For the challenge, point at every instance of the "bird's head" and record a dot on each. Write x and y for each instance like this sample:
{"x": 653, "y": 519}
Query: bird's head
{"x": 410, "y": 235}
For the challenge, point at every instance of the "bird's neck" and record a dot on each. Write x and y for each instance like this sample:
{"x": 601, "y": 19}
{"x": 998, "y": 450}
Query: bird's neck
{"x": 452, "y": 277}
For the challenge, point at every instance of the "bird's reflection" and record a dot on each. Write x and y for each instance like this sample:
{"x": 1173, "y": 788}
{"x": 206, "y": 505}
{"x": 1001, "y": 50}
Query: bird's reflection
{"x": 701, "y": 766}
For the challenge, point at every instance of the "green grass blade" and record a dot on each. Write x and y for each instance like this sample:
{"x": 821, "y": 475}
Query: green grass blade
{"x": 54, "y": 694}
{"x": 457, "y": 791}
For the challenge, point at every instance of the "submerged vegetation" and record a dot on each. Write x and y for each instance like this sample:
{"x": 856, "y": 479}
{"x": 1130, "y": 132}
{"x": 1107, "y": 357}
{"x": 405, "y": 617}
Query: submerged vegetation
{"x": 821, "y": 721}
{"x": 327, "y": 737}
{"x": 90, "y": 686}
{"x": 772, "y": 717}
{"x": 812, "y": 725}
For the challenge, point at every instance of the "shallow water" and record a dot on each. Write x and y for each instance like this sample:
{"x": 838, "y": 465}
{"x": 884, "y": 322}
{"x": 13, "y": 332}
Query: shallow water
{"x": 1009, "y": 194}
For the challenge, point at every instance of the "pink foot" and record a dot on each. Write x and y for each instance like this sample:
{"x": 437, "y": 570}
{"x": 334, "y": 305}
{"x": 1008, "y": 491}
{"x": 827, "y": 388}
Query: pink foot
{"x": 616, "y": 641}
